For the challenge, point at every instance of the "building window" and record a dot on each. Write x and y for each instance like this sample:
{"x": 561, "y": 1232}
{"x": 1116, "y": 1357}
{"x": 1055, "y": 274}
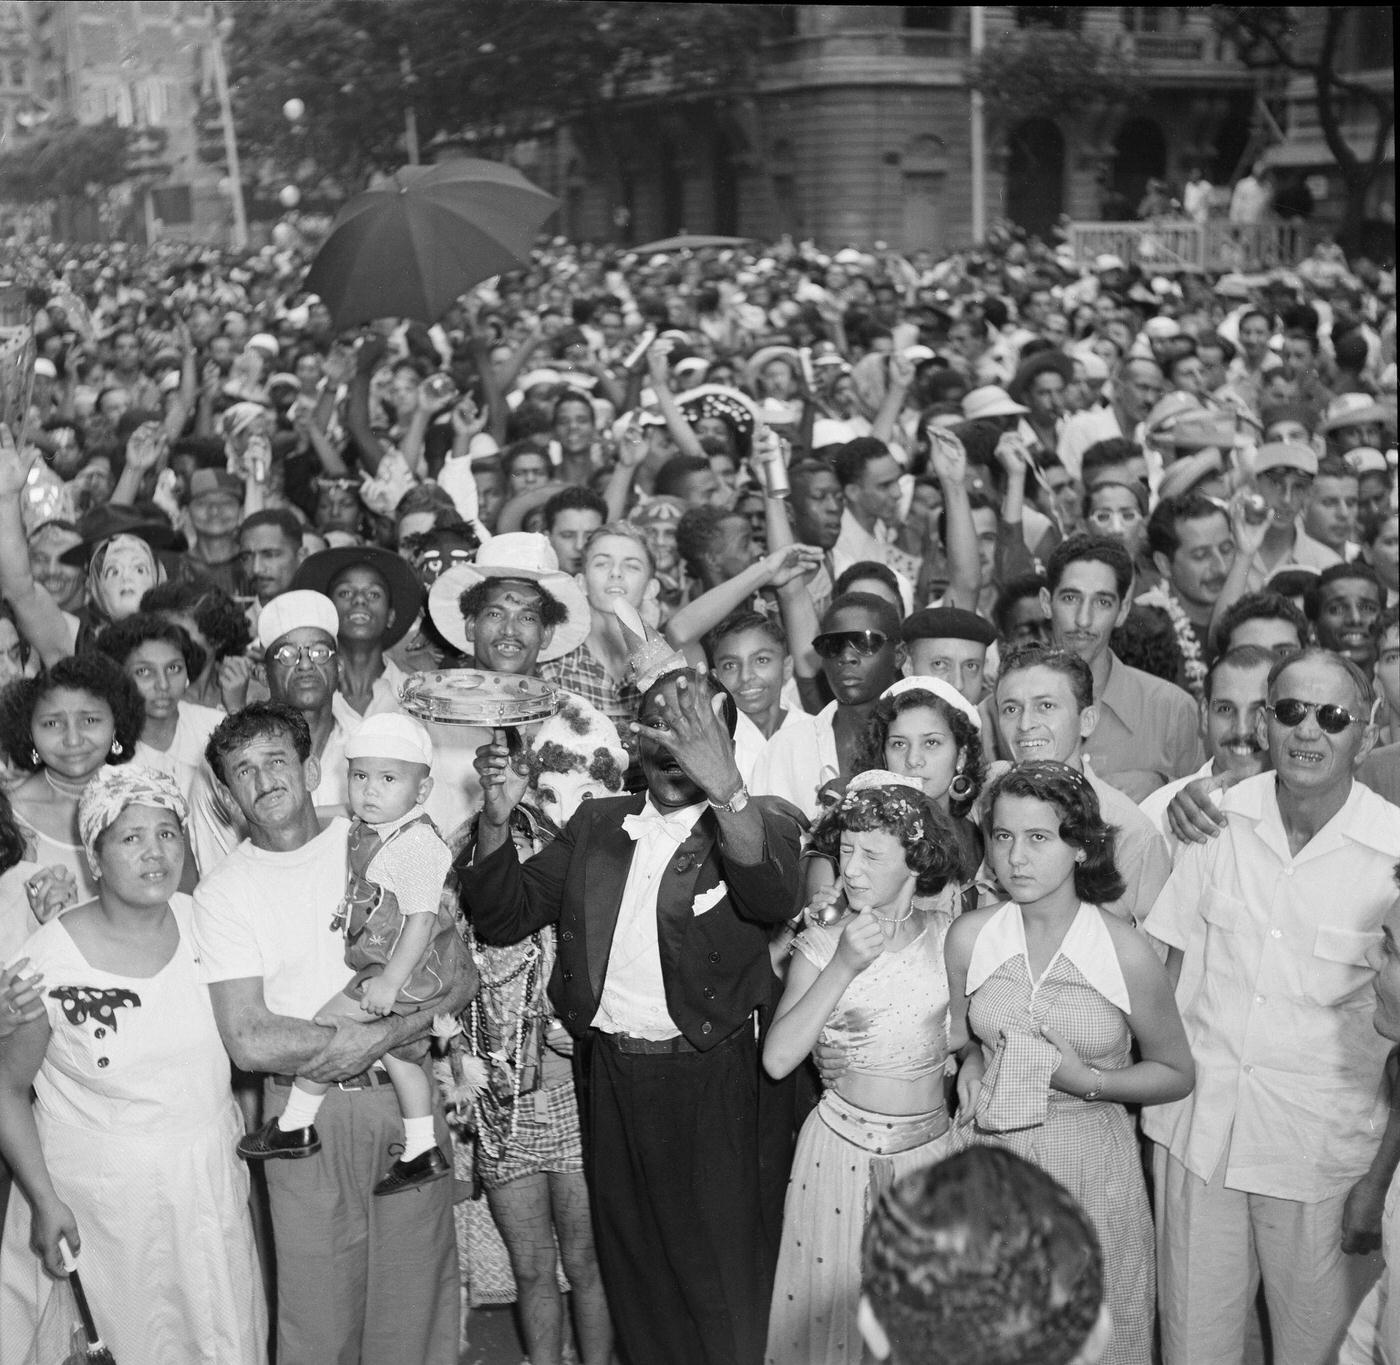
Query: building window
{"x": 1155, "y": 18}
{"x": 929, "y": 18}
{"x": 1049, "y": 16}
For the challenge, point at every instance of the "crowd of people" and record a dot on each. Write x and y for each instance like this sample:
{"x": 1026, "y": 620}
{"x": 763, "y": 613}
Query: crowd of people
{"x": 926, "y": 890}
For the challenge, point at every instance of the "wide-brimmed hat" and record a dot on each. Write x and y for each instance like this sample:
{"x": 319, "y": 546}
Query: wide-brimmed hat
{"x": 1042, "y": 362}
{"x": 719, "y": 400}
{"x": 1168, "y": 410}
{"x": 753, "y": 366}
{"x": 319, "y": 571}
{"x": 1182, "y": 475}
{"x": 1351, "y": 410}
{"x": 991, "y": 400}
{"x": 1285, "y": 455}
{"x": 525, "y": 557}
{"x": 117, "y": 519}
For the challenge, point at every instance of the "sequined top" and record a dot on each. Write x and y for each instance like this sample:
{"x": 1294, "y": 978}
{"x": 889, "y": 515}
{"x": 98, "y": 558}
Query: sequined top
{"x": 892, "y": 1021}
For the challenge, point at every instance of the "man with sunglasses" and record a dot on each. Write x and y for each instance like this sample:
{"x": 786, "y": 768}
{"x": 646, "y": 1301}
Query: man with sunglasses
{"x": 1280, "y": 1158}
{"x": 861, "y": 655}
{"x": 297, "y": 631}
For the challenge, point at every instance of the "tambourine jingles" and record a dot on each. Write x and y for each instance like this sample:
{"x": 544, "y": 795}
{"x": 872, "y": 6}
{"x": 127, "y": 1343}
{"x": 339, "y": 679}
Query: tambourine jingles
{"x": 472, "y": 696}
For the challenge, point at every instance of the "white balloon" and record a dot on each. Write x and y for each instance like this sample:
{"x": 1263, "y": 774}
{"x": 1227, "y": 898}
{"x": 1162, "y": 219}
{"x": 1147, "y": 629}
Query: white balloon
{"x": 294, "y": 109}
{"x": 289, "y": 196}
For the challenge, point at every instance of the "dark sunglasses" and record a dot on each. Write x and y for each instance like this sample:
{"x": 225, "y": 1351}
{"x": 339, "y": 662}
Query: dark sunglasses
{"x": 1291, "y": 712}
{"x": 834, "y": 645}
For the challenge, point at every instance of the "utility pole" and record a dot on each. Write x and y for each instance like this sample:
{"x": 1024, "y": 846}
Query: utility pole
{"x": 235, "y": 176}
{"x": 410, "y": 114}
{"x": 979, "y": 133}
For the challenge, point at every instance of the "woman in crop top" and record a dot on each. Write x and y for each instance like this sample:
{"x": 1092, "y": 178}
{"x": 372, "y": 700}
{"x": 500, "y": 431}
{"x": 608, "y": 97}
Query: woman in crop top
{"x": 874, "y": 985}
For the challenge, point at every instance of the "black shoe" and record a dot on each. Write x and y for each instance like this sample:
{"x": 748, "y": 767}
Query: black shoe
{"x": 271, "y": 1141}
{"x": 408, "y": 1175}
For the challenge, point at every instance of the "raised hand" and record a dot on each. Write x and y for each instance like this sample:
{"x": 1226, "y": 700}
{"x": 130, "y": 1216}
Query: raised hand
{"x": 1012, "y": 454}
{"x": 632, "y": 447}
{"x": 901, "y": 371}
{"x": 791, "y": 562}
{"x": 504, "y": 779}
{"x": 1250, "y": 520}
{"x": 694, "y": 735}
{"x": 14, "y": 467}
{"x": 145, "y": 447}
{"x": 947, "y": 456}
{"x": 862, "y": 941}
{"x": 468, "y": 420}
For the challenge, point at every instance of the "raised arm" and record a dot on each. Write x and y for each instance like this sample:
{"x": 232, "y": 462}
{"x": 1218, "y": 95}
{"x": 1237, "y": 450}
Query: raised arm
{"x": 776, "y": 569}
{"x": 659, "y": 372}
{"x": 949, "y": 461}
{"x": 367, "y": 357}
{"x": 37, "y": 615}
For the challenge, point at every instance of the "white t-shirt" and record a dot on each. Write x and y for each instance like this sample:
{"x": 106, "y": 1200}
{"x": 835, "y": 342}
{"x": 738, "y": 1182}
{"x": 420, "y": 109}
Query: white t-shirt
{"x": 269, "y": 914}
{"x": 185, "y": 756}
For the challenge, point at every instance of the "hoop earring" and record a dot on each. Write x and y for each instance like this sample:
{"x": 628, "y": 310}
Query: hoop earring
{"x": 117, "y": 749}
{"x": 961, "y": 787}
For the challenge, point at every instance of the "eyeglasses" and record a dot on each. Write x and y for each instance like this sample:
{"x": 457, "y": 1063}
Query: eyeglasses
{"x": 864, "y": 642}
{"x": 291, "y": 655}
{"x": 1290, "y": 712}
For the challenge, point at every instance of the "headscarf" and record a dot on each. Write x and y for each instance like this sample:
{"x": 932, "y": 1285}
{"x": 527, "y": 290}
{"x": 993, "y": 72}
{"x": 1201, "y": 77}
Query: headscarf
{"x": 113, "y": 789}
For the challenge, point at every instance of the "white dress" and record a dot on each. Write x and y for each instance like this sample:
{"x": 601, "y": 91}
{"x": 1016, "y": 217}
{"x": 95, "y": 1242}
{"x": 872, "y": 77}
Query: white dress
{"x": 138, "y": 1125}
{"x": 183, "y": 759}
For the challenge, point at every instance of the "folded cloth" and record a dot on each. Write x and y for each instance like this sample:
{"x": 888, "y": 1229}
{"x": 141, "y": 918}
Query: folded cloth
{"x": 1016, "y": 1088}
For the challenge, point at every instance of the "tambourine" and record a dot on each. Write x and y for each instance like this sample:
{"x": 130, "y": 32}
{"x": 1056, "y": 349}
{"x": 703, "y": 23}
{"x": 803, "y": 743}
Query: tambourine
{"x": 472, "y": 696}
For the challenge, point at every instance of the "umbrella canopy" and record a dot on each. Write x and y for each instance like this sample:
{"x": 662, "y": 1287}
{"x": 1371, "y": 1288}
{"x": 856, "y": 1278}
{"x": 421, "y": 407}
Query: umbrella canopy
{"x": 688, "y": 242}
{"x": 410, "y": 247}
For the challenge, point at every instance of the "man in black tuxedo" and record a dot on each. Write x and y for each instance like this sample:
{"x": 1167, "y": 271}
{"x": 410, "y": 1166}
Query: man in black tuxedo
{"x": 664, "y": 903}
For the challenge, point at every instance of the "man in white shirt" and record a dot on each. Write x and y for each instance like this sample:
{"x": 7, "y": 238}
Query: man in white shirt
{"x": 1276, "y": 1166}
{"x": 358, "y": 1278}
{"x": 1137, "y": 385}
{"x": 664, "y": 904}
{"x": 870, "y": 482}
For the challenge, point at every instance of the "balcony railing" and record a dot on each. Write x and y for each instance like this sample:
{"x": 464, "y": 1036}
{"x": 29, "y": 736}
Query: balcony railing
{"x": 869, "y": 43}
{"x": 1168, "y": 246}
{"x": 1169, "y": 47}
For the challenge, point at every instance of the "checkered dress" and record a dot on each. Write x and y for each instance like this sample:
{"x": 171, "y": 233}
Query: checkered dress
{"x": 580, "y": 673}
{"x": 1091, "y": 1149}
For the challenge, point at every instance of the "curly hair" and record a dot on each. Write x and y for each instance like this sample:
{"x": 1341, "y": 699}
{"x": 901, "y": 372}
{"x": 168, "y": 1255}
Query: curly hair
{"x": 95, "y": 674}
{"x": 220, "y": 619}
{"x": 13, "y": 846}
{"x": 1260, "y": 606}
{"x": 1147, "y": 641}
{"x": 475, "y": 599}
{"x": 553, "y": 757}
{"x": 871, "y": 753}
{"x": 1084, "y": 545}
{"x": 119, "y": 640}
{"x": 1096, "y": 879}
{"x": 260, "y": 720}
{"x": 930, "y": 845}
{"x": 983, "y": 1257}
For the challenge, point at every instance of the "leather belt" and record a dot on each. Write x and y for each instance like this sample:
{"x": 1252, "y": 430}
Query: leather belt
{"x": 648, "y": 1047}
{"x": 366, "y": 1080}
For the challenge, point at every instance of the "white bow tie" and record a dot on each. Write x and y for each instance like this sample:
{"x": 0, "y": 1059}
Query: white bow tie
{"x": 653, "y": 822}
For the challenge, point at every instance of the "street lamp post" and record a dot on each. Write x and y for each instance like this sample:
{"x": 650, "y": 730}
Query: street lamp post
{"x": 235, "y": 176}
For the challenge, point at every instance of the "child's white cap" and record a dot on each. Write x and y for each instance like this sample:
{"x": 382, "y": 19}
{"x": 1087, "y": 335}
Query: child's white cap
{"x": 389, "y": 735}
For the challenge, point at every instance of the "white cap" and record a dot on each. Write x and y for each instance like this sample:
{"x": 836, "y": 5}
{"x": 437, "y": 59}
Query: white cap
{"x": 390, "y": 735}
{"x": 265, "y": 341}
{"x": 292, "y": 610}
{"x": 943, "y": 690}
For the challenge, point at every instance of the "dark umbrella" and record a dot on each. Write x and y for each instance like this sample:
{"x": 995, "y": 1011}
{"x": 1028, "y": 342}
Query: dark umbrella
{"x": 410, "y": 247}
{"x": 688, "y": 242}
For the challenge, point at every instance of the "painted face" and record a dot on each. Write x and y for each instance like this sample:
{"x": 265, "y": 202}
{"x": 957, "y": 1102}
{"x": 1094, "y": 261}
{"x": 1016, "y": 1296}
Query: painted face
{"x": 141, "y": 855}
{"x": 72, "y": 732}
{"x": 561, "y": 794}
{"x": 920, "y": 744}
{"x": 752, "y": 669}
{"x": 1085, "y": 608}
{"x": 666, "y": 782}
{"x": 1026, "y": 852}
{"x": 384, "y": 789}
{"x": 961, "y": 663}
{"x": 874, "y": 869}
{"x": 1039, "y": 717}
{"x": 127, "y": 571}
{"x": 1230, "y": 720}
{"x": 158, "y": 669}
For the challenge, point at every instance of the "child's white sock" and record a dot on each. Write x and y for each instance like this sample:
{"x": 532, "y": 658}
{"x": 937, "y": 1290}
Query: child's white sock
{"x": 301, "y": 1110}
{"x": 418, "y": 1137}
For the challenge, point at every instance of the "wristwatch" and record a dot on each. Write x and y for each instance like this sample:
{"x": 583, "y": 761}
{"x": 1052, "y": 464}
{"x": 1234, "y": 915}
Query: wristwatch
{"x": 736, "y": 803}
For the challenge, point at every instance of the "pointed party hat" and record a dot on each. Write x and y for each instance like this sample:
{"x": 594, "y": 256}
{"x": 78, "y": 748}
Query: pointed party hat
{"x": 650, "y": 657}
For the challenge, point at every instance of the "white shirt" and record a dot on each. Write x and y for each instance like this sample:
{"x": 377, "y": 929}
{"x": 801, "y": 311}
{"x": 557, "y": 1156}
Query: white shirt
{"x": 383, "y": 697}
{"x": 185, "y": 756}
{"x": 268, "y": 915}
{"x": 1277, "y": 993}
{"x": 634, "y": 991}
{"x": 799, "y": 760}
{"x": 750, "y": 741}
{"x": 855, "y": 545}
{"x": 1154, "y": 804}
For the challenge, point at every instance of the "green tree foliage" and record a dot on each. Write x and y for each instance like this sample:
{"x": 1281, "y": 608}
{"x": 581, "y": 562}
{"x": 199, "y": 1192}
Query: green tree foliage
{"x": 502, "y": 69}
{"x": 1268, "y": 38}
{"x": 1041, "y": 72}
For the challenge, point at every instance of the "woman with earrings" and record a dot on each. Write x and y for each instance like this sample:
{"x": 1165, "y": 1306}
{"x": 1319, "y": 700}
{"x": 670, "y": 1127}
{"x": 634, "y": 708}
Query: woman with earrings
{"x": 61, "y": 728}
{"x": 866, "y": 977}
{"x": 1049, "y": 993}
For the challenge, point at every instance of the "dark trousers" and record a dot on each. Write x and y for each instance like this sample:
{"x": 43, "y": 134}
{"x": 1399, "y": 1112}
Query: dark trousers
{"x": 673, "y": 1160}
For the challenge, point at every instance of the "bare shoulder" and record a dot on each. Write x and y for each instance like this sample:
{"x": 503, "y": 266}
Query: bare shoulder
{"x": 1132, "y": 945}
